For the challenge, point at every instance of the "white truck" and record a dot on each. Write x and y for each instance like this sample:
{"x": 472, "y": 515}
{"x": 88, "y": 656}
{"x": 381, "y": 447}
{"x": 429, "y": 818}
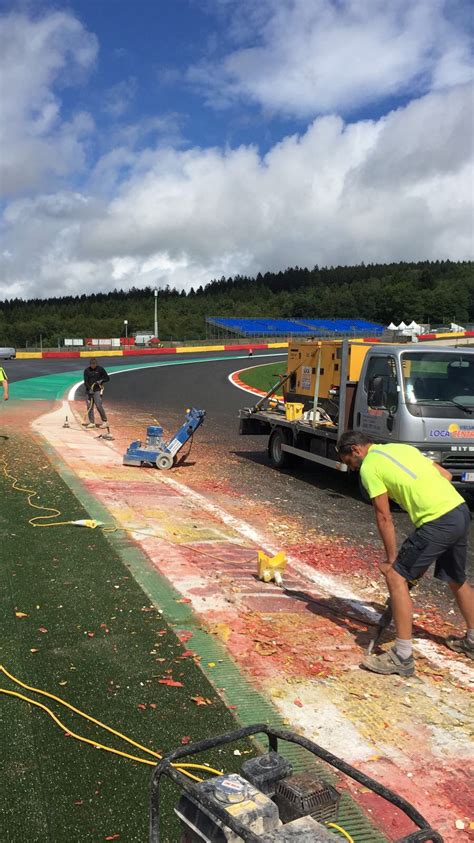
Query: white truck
{"x": 421, "y": 394}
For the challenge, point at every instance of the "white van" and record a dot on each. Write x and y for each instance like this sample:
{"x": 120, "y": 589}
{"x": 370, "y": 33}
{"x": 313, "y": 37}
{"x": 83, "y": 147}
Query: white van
{"x": 7, "y": 353}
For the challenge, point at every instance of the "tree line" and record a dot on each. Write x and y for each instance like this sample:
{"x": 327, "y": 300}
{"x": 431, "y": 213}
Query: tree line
{"x": 435, "y": 292}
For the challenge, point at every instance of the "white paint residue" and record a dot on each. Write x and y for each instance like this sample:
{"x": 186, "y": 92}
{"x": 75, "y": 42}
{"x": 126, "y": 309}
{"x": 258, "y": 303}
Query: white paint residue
{"x": 460, "y": 670}
{"x": 321, "y": 721}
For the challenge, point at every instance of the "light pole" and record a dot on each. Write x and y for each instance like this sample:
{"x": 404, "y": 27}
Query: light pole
{"x": 156, "y": 312}
{"x": 125, "y": 322}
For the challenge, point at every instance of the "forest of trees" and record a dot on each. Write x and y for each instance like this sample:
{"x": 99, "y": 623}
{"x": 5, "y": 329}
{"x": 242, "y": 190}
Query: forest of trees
{"x": 436, "y": 292}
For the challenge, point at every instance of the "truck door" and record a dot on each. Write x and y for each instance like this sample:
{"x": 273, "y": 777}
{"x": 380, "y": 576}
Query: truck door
{"x": 376, "y": 410}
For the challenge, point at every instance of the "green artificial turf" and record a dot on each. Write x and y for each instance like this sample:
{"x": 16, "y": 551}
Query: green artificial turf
{"x": 264, "y": 377}
{"x": 91, "y": 637}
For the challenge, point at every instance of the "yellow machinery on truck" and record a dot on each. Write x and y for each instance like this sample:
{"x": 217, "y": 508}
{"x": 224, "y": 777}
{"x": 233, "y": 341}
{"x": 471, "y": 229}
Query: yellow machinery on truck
{"x": 418, "y": 393}
{"x": 315, "y": 369}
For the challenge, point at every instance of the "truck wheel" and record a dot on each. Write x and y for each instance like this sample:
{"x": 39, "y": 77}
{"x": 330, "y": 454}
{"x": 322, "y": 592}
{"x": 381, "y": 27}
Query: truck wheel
{"x": 278, "y": 458}
{"x": 164, "y": 461}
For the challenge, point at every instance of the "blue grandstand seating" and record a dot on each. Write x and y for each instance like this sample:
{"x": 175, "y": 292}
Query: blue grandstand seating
{"x": 290, "y": 327}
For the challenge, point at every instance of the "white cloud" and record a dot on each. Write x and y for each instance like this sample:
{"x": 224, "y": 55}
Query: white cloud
{"x": 303, "y": 58}
{"x": 392, "y": 189}
{"x": 36, "y": 56}
{"x": 151, "y": 211}
{"x": 118, "y": 98}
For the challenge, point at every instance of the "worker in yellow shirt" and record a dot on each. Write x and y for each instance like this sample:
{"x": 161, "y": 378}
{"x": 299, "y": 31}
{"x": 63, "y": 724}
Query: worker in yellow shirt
{"x": 441, "y": 518}
{"x": 4, "y": 382}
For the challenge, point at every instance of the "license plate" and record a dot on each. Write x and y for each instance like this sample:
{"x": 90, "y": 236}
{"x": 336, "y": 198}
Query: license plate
{"x": 468, "y": 477}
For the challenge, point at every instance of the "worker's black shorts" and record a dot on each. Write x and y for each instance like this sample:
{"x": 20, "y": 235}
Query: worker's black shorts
{"x": 443, "y": 541}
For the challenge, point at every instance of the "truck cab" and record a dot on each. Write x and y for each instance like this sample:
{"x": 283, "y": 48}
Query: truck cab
{"x": 424, "y": 396}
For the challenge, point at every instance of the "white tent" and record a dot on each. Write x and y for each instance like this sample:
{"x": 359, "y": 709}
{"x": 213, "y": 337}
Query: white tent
{"x": 392, "y": 327}
{"x": 457, "y": 329}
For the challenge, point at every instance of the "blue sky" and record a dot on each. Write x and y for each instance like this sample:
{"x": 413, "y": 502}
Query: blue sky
{"x": 145, "y": 49}
{"x": 173, "y": 141}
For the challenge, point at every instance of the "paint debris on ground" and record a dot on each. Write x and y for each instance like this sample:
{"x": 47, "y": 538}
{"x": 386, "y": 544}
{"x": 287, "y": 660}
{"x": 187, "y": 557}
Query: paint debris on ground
{"x": 301, "y": 645}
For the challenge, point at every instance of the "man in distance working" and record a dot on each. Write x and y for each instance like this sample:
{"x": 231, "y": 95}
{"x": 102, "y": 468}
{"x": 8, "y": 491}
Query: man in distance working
{"x": 94, "y": 378}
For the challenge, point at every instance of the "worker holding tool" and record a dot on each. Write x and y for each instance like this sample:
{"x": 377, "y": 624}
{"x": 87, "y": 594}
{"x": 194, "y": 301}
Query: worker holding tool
{"x": 4, "y": 382}
{"x": 441, "y": 518}
{"x": 94, "y": 378}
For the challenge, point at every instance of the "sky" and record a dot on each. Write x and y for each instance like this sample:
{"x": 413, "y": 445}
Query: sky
{"x": 171, "y": 142}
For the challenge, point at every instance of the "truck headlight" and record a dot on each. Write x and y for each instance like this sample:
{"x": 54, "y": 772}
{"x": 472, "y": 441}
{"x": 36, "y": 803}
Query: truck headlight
{"x": 436, "y": 456}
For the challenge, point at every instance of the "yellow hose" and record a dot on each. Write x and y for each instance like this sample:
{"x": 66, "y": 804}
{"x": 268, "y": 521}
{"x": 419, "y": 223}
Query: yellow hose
{"x": 184, "y": 767}
{"x": 342, "y": 831}
{"x": 31, "y": 493}
{"x": 72, "y": 734}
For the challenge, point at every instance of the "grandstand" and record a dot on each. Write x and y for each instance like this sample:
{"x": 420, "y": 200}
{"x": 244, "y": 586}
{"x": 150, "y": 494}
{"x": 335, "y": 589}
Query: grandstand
{"x": 218, "y": 327}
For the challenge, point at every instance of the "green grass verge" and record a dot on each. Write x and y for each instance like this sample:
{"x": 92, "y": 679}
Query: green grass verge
{"x": 103, "y": 650}
{"x": 264, "y": 377}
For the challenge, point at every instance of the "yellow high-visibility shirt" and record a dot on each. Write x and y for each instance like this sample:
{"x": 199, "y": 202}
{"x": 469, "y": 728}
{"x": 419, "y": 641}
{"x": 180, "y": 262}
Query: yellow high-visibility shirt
{"x": 410, "y": 479}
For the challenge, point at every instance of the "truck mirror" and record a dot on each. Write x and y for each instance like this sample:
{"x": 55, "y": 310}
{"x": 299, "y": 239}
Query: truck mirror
{"x": 377, "y": 397}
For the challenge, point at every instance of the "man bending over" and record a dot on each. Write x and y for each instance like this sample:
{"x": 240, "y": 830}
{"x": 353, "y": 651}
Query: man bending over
{"x": 441, "y": 518}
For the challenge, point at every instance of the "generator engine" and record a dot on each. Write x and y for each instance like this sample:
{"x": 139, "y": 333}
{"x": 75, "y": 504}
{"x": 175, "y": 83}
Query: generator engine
{"x": 250, "y": 806}
{"x": 266, "y": 802}
{"x": 307, "y": 795}
{"x": 265, "y": 771}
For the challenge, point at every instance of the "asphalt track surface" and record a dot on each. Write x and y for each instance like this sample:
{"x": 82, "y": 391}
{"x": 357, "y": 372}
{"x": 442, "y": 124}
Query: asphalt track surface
{"x": 323, "y": 499}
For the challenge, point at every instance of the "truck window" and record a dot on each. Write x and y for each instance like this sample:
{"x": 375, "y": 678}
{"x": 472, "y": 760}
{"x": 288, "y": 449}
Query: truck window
{"x": 437, "y": 377}
{"x": 381, "y": 383}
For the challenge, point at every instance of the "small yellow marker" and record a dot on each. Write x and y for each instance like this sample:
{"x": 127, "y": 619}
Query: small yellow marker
{"x": 271, "y": 567}
{"x": 87, "y": 522}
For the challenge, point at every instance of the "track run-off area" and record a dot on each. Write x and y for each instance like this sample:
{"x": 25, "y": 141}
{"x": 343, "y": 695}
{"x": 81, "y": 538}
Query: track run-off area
{"x": 189, "y": 541}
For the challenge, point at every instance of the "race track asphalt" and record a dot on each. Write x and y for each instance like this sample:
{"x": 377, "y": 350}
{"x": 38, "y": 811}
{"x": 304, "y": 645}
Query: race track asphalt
{"x": 323, "y": 499}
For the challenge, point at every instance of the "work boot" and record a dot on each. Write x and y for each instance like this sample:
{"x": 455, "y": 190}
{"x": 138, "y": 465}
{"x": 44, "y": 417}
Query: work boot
{"x": 460, "y": 645}
{"x": 390, "y": 662}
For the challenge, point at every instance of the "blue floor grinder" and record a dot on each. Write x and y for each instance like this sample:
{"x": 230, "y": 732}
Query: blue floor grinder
{"x": 155, "y": 451}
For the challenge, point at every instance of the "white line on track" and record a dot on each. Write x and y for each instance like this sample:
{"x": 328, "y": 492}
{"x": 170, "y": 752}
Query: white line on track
{"x": 71, "y": 396}
{"x": 249, "y": 389}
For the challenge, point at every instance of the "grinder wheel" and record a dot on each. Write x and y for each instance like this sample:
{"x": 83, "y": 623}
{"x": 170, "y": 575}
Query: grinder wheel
{"x": 164, "y": 461}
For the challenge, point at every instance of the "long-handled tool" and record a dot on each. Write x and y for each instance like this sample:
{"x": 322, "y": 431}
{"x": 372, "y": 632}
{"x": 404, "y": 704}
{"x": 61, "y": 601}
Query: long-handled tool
{"x": 385, "y": 621}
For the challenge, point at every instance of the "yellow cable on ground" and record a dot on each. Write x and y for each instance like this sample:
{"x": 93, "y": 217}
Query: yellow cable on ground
{"x": 342, "y": 830}
{"x": 182, "y": 767}
{"x": 72, "y": 734}
{"x": 31, "y": 493}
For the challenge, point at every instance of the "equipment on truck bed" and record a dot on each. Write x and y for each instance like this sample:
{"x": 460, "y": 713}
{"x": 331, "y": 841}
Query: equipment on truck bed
{"x": 266, "y": 803}
{"x": 155, "y": 451}
{"x": 422, "y": 395}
